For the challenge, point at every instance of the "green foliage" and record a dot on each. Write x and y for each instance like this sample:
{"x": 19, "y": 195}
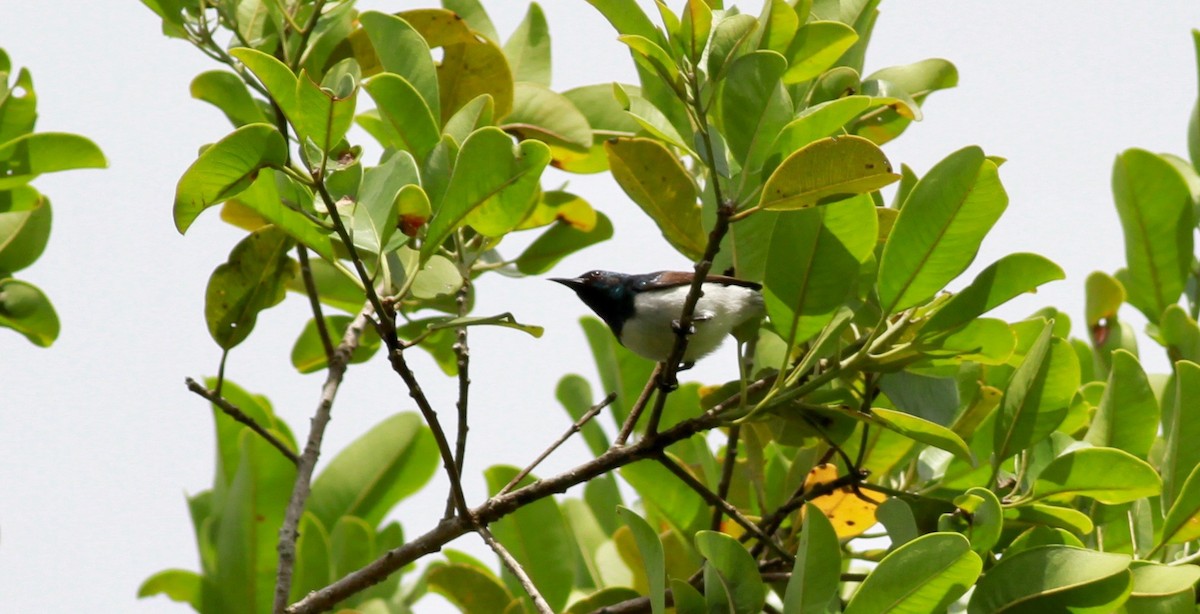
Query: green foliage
{"x": 1044, "y": 472}
{"x": 25, "y": 212}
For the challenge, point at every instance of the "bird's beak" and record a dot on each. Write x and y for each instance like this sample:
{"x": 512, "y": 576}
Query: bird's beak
{"x": 574, "y": 284}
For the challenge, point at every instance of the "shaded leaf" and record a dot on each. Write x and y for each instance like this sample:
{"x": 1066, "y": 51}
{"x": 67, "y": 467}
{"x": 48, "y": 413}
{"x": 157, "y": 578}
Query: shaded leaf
{"x": 657, "y": 181}
{"x": 254, "y": 278}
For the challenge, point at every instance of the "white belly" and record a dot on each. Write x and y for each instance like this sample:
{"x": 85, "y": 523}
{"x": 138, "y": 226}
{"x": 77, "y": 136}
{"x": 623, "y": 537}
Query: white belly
{"x": 721, "y": 309}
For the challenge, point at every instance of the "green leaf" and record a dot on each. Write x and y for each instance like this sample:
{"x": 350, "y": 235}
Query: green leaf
{"x": 1159, "y": 589}
{"x": 352, "y": 545}
{"x": 1041, "y": 536}
{"x": 545, "y": 115}
{"x": 1053, "y": 579}
{"x": 910, "y": 85}
{"x": 225, "y": 169}
{"x": 1127, "y": 417}
{"x": 250, "y": 517}
{"x": 922, "y": 430}
{"x": 528, "y": 49}
{"x": 559, "y": 241}
{"x": 939, "y": 229}
{"x": 825, "y": 171}
{"x": 18, "y": 106}
{"x": 815, "y": 122}
{"x": 694, "y": 27}
{"x": 1051, "y": 516}
{"x": 662, "y": 492}
{"x": 656, "y": 58}
{"x": 492, "y": 187}
{"x": 1181, "y": 455}
{"x": 321, "y": 116}
{"x": 314, "y": 570}
{"x": 278, "y": 199}
{"x": 730, "y": 566}
{"x": 375, "y": 214}
{"x": 815, "y": 257}
{"x": 813, "y": 586}
{"x": 729, "y": 36}
{"x": 308, "y": 353}
{"x": 538, "y": 538}
{"x": 27, "y": 156}
{"x": 985, "y": 518}
{"x": 987, "y": 341}
{"x": 688, "y": 600}
{"x": 382, "y": 467}
{"x": 179, "y": 585}
{"x": 1155, "y": 208}
{"x": 276, "y": 77}
{"x": 401, "y": 50}
{"x": 1001, "y": 282}
{"x": 1179, "y": 332}
{"x": 468, "y": 588}
{"x": 657, "y": 181}
{"x": 1107, "y": 475}
{"x": 925, "y": 575}
{"x": 1183, "y": 519}
{"x": 471, "y": 117}
{"x": 754, "y": 105}
{"x": 1037, "y": 395}
{"x": 627, "y": 17}
{"x": 653, "y": 559}
{"x": 25, "y": 218}
{"x": 410, "y": 125}
{"x": 254, "y": 278}
{"x": 229, "y": 93}
{"x": 602, "y": 598}
{"x": 816, "y": 48}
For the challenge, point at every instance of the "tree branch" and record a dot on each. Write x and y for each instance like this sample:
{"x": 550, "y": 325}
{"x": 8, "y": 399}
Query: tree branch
{"x": 575, "y": 428}
{"x": 304, "y": 470}
{"x": 314, "y": 300}
{"x": 511, "y": 563}
{"x": 499, "y": 506}
{"x": 731, "y": 451}
{"x": 463, "y": 353}
{"x": 234, "y": 412}
{"x": 640, "y": 405}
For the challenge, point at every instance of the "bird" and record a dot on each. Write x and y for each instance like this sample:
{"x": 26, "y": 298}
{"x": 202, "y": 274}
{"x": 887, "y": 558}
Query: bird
{"x": 643, "y": 310}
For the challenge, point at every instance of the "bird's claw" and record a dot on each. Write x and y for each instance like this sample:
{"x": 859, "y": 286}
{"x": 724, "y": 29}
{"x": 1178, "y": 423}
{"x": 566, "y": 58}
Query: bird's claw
{"x": 679, "y": 328}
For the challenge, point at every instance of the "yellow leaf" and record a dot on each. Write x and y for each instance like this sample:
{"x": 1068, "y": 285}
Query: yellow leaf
{"x": 850, "y": 512}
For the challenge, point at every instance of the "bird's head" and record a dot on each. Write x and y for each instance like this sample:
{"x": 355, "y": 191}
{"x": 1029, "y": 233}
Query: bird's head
{"x": 608, "y": 294}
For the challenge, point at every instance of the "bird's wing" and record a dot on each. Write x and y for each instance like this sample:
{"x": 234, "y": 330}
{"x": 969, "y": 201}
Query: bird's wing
{"x": 671, "y": 279}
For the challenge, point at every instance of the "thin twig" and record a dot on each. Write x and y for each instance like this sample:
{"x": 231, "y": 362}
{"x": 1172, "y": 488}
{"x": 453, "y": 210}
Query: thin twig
{"x": 314, "y": 300}
{"x": 513, "y": 566}
{"x": 636, "y": 411}
{"x": 304, "y": 470}
{"x": 463, "y": 353}
{"x": 733, "y": 512}
{"x": 731, "y": 451}
{"x": 575, "y": 428}
{"x": 234, "y": 412}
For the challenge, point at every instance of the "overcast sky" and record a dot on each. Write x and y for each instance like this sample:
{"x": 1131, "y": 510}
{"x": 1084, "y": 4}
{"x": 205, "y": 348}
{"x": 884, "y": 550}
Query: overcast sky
{"x": 99, "y": 439}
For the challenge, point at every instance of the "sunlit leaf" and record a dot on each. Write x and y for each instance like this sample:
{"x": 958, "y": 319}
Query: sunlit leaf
{"x": 27, "y": 156}
{"x": 1053, "y": 579}
{"x": 1107, "y": 475}
{"x": 225, "y": 169}
{"x": 849, "y": 513}
{"x": 528, "y": 49}
{"x": 827, "y": 170}
{"x": 925, "y": 575}
{"x": 1127, "y": 417}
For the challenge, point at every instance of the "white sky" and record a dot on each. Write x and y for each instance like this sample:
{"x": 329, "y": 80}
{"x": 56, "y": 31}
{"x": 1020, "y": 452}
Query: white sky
{"x": 99, "y": 439}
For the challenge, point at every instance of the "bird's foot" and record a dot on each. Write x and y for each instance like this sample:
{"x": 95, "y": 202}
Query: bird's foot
{"x": 681, "y": 330}
{"x": 687, "y": 365}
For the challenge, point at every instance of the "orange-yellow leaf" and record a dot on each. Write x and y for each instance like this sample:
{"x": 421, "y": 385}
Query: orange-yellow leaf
{"x": 850, "y": 512}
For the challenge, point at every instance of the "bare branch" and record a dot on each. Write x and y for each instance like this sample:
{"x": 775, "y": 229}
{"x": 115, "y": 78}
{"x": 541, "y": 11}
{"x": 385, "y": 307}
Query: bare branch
{"x": 314, "y": 301}
{"x": 463, "y": 353}
{"x": 731, "y": 451}
{"x": 575, "y": 428}
{"x": 234, "y": 412}
{"x": 636, "y": 411}
{"x": 312, "y": 449}
{"x": 511, "y": 563}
